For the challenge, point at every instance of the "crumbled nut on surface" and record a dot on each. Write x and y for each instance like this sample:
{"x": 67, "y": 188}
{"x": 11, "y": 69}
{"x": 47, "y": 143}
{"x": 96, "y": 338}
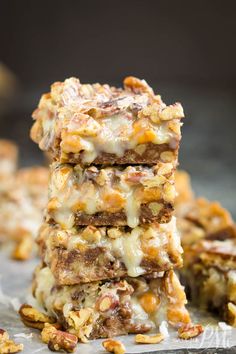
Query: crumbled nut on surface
{"x": 190, "y": 330}
{"x": 33, "y": 318}
{"x": 145, "y": 339}
{"x": 10, "y": 347}
{"x": 23, "y": 248}
{"x": 58, "y": 340}
{"x": 114, "y": 346}
{"x": 7, "y": 345}
{"x": 3, "y": 335}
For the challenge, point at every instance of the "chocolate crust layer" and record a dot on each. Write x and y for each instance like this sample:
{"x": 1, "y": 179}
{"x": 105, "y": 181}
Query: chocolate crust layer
{"x": 120, "y": 219}
{"x": 148, "y": 154}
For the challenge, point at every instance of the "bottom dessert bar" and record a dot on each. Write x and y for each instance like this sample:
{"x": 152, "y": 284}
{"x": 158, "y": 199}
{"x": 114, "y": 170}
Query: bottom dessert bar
{"x": 94, "y": 253}
{"x": 210, "y": 276}
{"x": 114, "y": 307}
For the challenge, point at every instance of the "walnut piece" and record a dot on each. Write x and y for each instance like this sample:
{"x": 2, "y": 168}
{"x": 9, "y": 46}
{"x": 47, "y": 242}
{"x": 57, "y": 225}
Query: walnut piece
{"x": 190, "y": 330}
{"x": 58, "y": 340}
{"x": 33, "y": 318}
{"x": 7, "y": 345}
{"x": 145, "y": 339}
{"x": 114, "y": 346}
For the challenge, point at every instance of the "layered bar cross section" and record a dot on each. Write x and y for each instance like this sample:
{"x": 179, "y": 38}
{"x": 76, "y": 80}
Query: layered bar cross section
{"x": 113, "y": 307}
{"x": 117, "y": 195}
{"x": 92, "y": 253}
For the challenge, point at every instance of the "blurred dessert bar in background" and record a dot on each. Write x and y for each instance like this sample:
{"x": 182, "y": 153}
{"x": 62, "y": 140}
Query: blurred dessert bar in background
{"x": 23, "y": 196}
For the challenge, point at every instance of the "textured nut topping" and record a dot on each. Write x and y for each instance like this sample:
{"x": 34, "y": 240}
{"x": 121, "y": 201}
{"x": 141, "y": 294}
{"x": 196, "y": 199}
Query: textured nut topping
{"x": 173, "y": 111}
{"x": 58, "y": 340}
{"x": 190, "y": 331}
{"x": 145, "y": 339}
{"x": 149, "y": 302}
{"x": 136, "y": 85}
{"x": 114, "y": 346}
{"x": 33, "y": 318}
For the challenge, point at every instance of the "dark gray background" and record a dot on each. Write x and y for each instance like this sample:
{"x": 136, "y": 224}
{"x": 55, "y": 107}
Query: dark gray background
{"x": 185, "y": 49}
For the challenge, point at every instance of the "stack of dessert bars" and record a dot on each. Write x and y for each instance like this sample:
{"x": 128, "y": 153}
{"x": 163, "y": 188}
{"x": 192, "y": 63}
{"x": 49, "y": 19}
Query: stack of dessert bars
{"x": 109, "y": 244}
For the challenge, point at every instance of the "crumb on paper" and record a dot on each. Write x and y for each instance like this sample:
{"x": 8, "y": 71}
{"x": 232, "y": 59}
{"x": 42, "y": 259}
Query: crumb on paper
{"x": 224, "y": 326}
{"x": 190, "y": 330}
{"x": 163, "y": 328}
{"x": 23, "y": 335}
{"x": 114, "y": 346}
{"x": 146, "y": 339}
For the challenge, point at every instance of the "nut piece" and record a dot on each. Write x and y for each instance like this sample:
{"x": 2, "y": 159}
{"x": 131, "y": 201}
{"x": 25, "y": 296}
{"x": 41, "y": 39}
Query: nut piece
{"x": 114, "y": 346}
{"x": 107, "y": 302}
{"x": 7, "y": 345}
{"x": 4, "y": 336}
{"x": 190, "y": 330}
{"x": 114, "y": 233}
{"x": 33, "y": 318}
{"x": 137, "y": 86}
{"x": 145, "y": 339}
{"x": 58, "y": 340}
{"x": 23, "y": 249}
{"x": 91, "y": 234}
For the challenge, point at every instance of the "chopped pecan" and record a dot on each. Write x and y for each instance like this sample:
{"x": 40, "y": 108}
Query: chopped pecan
{"x": 114, "y": 346}
{"x": 7, "y": 345}
{"x": 190, "y": 330}
{"x": 137, "y": 86}
{"x": 145, "y": 339}
{"x": 34, "y": 318}
{"x": 58, "y": 340}
{"x": 107, "y": 302}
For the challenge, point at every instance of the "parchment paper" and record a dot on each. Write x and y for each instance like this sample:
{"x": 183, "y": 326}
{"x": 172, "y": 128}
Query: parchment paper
{"x": 15, "y": 278}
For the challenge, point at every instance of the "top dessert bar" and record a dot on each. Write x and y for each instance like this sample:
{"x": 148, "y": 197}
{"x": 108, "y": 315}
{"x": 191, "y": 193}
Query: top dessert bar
{"x": 99, "y": 124}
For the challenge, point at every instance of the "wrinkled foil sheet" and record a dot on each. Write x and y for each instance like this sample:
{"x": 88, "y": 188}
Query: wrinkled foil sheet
{"x": 15, "y": 278}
